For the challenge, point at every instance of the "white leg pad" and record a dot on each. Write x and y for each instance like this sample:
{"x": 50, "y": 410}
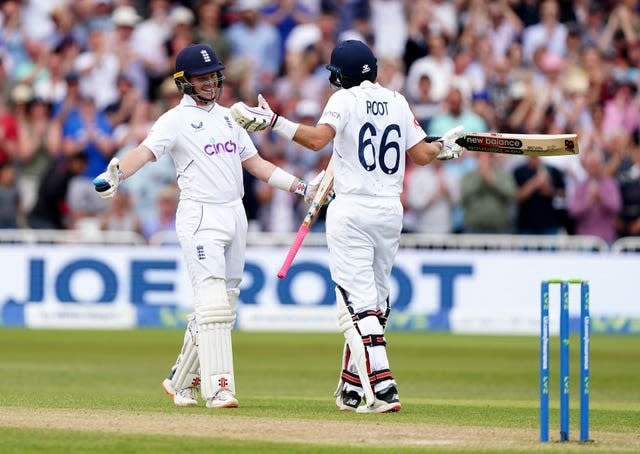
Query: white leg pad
{"x": 354, "y": 341}
{"x": 343, "y": 363}
{"x": 215, "y": 317}
{"x": 187, "y": 365}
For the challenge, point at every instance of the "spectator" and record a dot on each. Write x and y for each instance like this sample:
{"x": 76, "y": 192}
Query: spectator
{"x": 548, "y": 33}
{"x": 539, "y": 187}
{"x": 596, "y": 201}
{"x": 432, "y": 197}
{"x": 66, "y": 29}
{"x": 86, "y": 207}
{"x": 622, "y": 111}
{"x": 98, "y": 70}
{"x": 277, "y": 208}
{"x": 628, "y": 222}
{"x": 182, "y": 33}
{"x": 130, "y": 63}
{"x": 391, "y": 73}
{"x": 38, "y": 145}
{"x": 10, "y": 207}
{"x": 424, "y": 106}
{"x": 285, "y": 15}
{"x": 87, "y": 129}
{"x": 488, "y": 196}
{"x": 256, "y": 43}
{"x": 208, "y": 31}
{"x": 456, "y": 111}
{"x": 438, "y": 65}
{"x": 388, "y": 15}
{"x": 165, "y": 220}
{"x": 149, "y": 38}
{"x": 127, "y": 136}
{"x": 53, "y": 88}
{"x": 416, "y": 45}
{"x": 128, "y": 97}
{"x": 8, "y": 133}
{"x": 51, "y": 210}
{"x": 301, "y": 79}
{"x": 121, "y": 216}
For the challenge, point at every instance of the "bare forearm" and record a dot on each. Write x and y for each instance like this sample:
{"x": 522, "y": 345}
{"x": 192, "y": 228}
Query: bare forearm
{"x": 135, "y": 159}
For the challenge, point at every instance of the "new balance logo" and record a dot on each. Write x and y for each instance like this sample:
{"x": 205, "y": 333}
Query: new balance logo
{"x": 205, "y": 56}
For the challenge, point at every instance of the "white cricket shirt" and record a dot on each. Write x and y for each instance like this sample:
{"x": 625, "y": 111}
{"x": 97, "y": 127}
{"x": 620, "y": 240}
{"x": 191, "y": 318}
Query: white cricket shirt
{"x": 207, "y": 148}
{"x": 374, "y": 128}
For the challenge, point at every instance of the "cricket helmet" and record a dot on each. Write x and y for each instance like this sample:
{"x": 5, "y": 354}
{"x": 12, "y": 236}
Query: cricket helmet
{"x": 196, "y": 60}
{"x": 351, "y": 63}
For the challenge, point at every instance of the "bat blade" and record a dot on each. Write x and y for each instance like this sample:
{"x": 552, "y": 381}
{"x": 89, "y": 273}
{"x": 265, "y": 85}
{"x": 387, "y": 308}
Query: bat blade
{"x": 324, "y": 189}
{"x": 520, "y": 144}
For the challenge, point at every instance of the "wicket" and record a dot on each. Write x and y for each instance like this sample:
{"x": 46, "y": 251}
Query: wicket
{"x": 585, "y": 335}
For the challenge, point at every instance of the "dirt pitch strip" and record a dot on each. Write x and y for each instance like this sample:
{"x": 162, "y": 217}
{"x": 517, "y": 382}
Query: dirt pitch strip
{"x": 379, "y": 433}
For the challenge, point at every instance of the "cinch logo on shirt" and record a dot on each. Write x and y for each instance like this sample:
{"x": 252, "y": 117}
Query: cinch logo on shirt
{"x": 330, "y": 113}
{"x": 216, "y": 148}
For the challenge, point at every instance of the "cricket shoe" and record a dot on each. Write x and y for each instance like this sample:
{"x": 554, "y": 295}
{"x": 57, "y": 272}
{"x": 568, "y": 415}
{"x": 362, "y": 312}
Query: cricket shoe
{"x": 385, "y": 402}
{"x": 348, "y": 400}
{"x": 183, "y": 398}
{"x": 223, "y": 399}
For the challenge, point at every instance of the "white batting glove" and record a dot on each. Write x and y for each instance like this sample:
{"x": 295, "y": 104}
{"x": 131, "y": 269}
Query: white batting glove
{"x": 312, "y": 188}
{"x": 450, "y": 149}
{"x": 253, "y": 118}
{"x": 107, "y": 182}
{"x": 258, "y": 118}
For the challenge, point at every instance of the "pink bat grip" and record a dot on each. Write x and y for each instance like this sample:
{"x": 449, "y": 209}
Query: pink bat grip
{"x": 293, "y": 250}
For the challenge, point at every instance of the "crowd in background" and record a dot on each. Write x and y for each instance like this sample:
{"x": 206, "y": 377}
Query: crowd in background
{"x": 81, "y": 81}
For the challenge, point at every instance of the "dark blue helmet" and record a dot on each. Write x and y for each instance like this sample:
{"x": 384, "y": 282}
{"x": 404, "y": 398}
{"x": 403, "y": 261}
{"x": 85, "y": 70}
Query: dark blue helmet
{"x": 351, "y": 63}
{"x": 196, "y": 60}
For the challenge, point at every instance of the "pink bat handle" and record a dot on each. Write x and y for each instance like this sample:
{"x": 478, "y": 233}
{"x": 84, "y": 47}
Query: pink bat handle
{"x": 293, "y": 250}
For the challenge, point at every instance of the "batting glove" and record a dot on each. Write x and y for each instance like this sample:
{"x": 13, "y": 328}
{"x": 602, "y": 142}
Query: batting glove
{"x": 107, "y": 182}
{"x": 254, "y": 118}
{"x": 312, "y": 188}
{"x": 258, "y": 118}
{"x": 450, "y": 149}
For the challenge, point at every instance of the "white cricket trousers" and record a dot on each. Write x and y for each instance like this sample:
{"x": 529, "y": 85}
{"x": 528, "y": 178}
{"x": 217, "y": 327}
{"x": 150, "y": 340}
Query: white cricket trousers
{"x": 363, "y": 234}
{"x": 213, "y": 239}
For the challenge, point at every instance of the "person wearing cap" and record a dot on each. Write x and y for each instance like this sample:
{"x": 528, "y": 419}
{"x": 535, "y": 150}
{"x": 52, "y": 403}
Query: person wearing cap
{"x": 209, "y": 152}
{"x": 125, "y": 18}
{"x": 372, "y": 129}
{"x": 255, "y": 43}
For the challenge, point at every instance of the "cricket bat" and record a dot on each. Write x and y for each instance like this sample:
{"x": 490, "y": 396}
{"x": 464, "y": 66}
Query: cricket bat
{"x": 519, "y": 144}
{"x": 324, "y": 189}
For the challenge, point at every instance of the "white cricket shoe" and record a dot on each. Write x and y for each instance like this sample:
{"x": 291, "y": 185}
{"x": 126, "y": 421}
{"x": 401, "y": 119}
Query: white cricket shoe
{"x": 183, "y": 398}
{"x": 223, "y": 399}
{"x": 386, "y": 401}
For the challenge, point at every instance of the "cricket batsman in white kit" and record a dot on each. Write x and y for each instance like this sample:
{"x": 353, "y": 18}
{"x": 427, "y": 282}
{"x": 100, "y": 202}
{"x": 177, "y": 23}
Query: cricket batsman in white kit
{"x": 371, "y": 128}
{"x": 209, "y": 151}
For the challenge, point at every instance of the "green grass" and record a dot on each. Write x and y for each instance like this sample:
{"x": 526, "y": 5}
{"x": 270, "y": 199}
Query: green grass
{"x": 444, "y": 381}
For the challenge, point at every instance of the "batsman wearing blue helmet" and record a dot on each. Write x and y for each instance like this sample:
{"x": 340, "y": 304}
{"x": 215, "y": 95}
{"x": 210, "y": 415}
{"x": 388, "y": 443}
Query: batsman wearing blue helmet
{"x": 209, "y": 151}
{"x": 371, "y": 128}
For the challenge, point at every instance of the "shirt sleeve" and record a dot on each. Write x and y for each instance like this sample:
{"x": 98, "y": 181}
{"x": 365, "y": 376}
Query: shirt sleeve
{"x": 162, "y": 136}
{"x": 245, "y": 145}
{"x": 415, "y": 133}
{"x": 334, "y": 113}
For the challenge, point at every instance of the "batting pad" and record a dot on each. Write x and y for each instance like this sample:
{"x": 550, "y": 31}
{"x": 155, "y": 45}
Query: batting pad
{"x": 355, "y": 344}
{"x": 215, "y": 317}
{"x": 188, "y": 363}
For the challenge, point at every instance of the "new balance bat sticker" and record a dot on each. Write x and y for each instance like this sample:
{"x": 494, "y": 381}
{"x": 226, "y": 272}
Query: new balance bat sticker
{"x": 324, "y": 189}
{"x": 519, "y": 144}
